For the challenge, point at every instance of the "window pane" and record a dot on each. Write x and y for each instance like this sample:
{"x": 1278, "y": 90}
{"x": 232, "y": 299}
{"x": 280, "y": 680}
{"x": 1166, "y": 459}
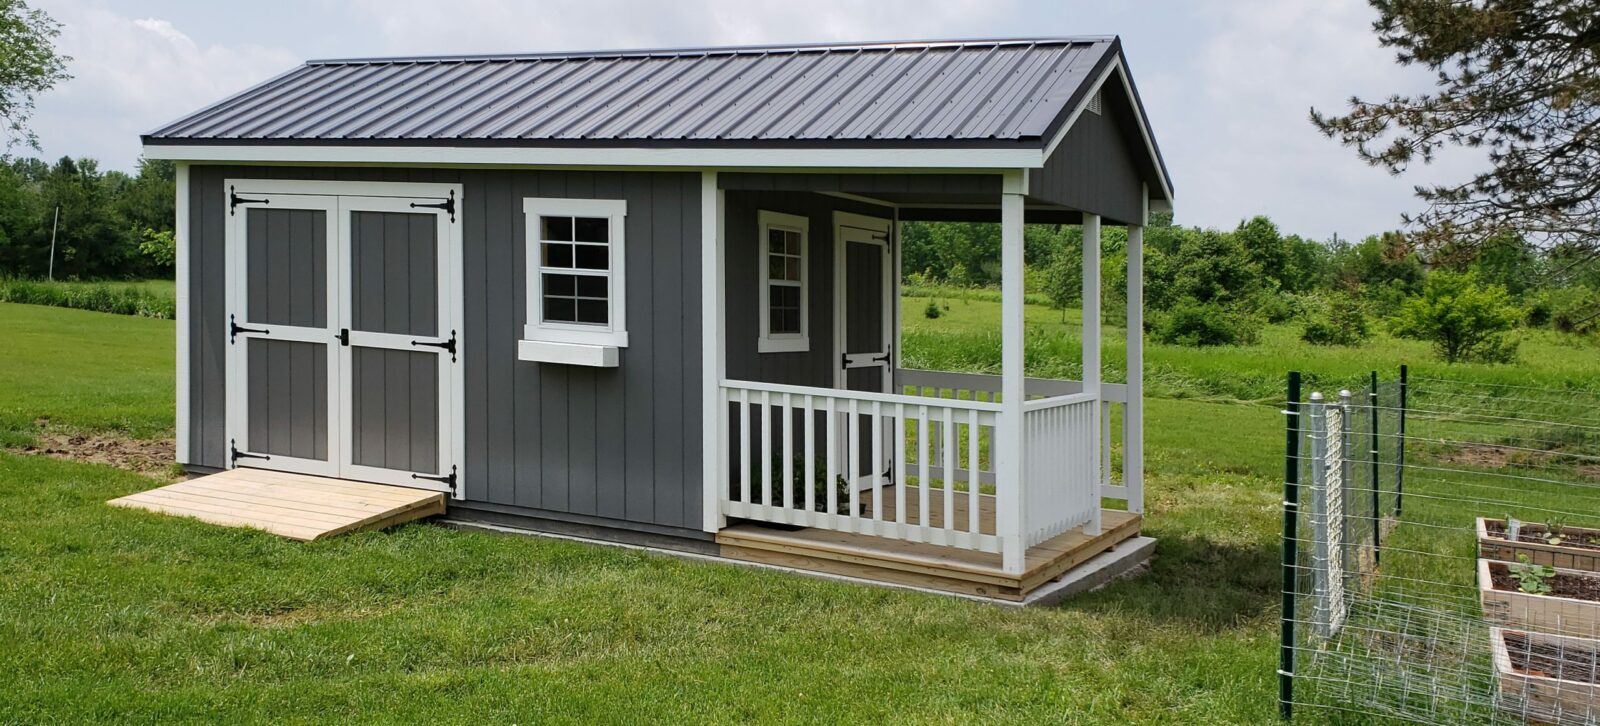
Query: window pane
{"x": 557, "y": 255}
{"x": 775, "y": 243}
{"x": 775, "y": 321}
{"x": 561, "y": 310}
{"x": 560, "y": 285}
{"x": 791, "y": 243}
{"x": 592, "y": 286}
{"x": 793, "y": 267}
{"x": 592, "y": 311}
{"x": 791, "y": 321}
{"x": 556, "y": 228}
{"x": 593, "y": 257}
{"x": 775, "y": 267}
{"x": 592, "y": 229}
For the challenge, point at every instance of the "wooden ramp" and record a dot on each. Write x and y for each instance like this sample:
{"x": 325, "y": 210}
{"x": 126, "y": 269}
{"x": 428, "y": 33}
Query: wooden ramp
{"x": 297, "y": 506}
{"x": 924, "y": 565}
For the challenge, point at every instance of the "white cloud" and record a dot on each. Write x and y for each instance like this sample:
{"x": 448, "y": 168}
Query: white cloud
{"x": 133, "y": 74}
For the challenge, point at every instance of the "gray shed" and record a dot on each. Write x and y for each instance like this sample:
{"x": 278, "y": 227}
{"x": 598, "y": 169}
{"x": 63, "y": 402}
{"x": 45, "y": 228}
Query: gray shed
{"x": 654, "y": 295}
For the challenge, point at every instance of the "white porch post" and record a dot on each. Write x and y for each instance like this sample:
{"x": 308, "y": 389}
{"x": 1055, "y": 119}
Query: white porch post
{"x": 1133, "y": 410}
{"x": 181, "y": 238}
{"x": 1008, "y": 458}
{"x": 1091, "y": 357}
{"x": 713, "y": 360}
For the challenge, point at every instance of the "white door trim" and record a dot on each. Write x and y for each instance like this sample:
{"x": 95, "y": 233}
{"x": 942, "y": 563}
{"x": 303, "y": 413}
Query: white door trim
{"x": 853, "y": 225}
{"x": 330, "y": 196}
{"x": 236, "y": 283}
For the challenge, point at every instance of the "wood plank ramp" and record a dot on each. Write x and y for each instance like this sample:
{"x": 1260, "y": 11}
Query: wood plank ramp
{"x": 297, "y": 506}
{"x": 917, "y": 564}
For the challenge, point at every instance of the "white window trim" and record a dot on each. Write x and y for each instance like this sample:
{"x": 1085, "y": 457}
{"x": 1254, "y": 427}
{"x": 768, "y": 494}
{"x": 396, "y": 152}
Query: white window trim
{"x": 770, "y": 342}
{"x": 615, "y": 334}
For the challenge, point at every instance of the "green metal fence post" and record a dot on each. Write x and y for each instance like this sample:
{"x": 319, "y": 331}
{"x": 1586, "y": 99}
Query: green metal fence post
{"x": 1377, "y": 506}
{"x": 1291, "y": 538}
{"x": 1400, "y": 450}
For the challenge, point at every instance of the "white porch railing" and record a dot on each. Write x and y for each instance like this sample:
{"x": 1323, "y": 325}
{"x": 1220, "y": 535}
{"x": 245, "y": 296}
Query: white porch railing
{"x": 912, "y": 467}
{"x": 859, "y": 462}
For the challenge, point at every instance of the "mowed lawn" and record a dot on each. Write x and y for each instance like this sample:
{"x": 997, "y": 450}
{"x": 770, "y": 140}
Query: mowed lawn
{"x": 107, "y": 614}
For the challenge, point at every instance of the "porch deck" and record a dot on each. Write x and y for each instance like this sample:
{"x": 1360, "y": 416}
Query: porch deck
{"x": 950, "y": 569}
{"x": 297, "y": 506}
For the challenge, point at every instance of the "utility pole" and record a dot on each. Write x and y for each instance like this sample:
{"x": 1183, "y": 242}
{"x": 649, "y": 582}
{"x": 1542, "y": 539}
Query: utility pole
{"x": 53, "y": 225}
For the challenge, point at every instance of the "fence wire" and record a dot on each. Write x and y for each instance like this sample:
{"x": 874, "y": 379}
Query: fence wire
{"x": 1442, "y": 554}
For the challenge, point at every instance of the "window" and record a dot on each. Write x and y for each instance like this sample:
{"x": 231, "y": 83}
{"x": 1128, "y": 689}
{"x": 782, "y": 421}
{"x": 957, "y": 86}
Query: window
{"x": 575, "y": 272}
{"x": 784, "y": 324}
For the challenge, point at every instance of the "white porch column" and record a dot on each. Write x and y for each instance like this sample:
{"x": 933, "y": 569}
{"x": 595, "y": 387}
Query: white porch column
{"x": 1009, "y": 516}
{"x": 1091, "y": 356}
{"x": 181, "y": 238}
{"x": 713, "y": 358}
{"x": 1133, "y": 411}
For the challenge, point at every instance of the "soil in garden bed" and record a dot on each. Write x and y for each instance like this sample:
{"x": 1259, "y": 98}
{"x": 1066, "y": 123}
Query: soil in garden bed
{"x": 1581, "y": 538}
{"x": 1576, "y": 587}
{"x": 1551, "y": 660}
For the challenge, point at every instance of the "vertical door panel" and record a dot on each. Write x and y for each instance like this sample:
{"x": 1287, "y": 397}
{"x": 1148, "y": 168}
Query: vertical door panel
{"x": 395, "y": 409}
{"x": 288, "y": 398}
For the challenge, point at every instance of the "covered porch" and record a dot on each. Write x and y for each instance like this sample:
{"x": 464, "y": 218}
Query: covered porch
{"x": 823, "y": 452}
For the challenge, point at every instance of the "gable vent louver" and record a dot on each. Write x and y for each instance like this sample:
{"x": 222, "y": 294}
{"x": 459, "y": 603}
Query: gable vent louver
{"x": 1095, "y": 103}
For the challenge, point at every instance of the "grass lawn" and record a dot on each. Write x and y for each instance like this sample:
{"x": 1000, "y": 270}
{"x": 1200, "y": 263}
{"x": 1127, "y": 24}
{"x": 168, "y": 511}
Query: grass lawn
{"x": 110, "y": 614}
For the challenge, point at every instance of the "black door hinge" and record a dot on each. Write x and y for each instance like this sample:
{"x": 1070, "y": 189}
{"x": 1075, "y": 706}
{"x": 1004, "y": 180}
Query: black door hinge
{"x": 234, "y": 454}
{"x": 344, "y": 337}
{"x": 887, "y": 354}
{"x": 235, "y": 200}
{"x": 449, "y": 345}
{"x": 234, "y": 329}
{"x": 448, "y": 479}
{"x": 448, "y": 205}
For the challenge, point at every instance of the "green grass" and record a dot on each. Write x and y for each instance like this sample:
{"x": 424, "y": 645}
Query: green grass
{"x": 144, "y": 298}
{"x": 115, "y": 615}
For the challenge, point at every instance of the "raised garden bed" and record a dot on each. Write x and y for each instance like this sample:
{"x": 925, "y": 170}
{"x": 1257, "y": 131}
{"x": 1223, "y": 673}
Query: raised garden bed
{"x": 1571, "y": 607}
{"x": 1579, "y": 548}
{"x": 1546, "y": 678}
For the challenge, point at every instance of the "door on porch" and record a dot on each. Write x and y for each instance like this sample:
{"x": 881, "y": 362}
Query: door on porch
{"x": 865, "y": 286}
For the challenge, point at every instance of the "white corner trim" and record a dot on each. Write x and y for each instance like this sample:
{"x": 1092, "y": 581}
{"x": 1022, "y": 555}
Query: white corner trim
{"x": 181, "y": 316}
{"x": 678, "y": 157}
{"x": 767, "y": 341}
{"x": 575, "y": 354}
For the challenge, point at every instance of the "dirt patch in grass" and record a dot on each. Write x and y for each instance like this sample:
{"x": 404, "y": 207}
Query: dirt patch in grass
{"x": 152, "y": 457}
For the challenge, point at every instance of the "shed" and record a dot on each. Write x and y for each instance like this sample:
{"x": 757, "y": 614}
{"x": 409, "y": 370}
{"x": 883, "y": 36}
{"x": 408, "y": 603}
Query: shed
{"x": 653, "y": 295}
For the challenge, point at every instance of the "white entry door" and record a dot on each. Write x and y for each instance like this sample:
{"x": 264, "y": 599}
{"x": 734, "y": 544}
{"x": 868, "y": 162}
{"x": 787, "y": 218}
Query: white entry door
{"x": 363, "y": 384}
{"x": 864, "y": 285}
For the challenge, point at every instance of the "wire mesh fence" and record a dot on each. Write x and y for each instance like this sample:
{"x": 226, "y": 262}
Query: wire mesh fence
{"x": 1442, "y": 553}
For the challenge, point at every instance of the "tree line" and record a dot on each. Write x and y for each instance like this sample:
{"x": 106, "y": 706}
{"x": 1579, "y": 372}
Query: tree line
{"x": 1215, "y": 287}
{"x": 105, "y": 225}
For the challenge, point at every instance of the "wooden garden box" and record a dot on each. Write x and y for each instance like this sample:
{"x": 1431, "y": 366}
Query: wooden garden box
{"x": 1538, "y": 696}
{"x": 1542, "y": 613}
{"x": 1494, "y": 546}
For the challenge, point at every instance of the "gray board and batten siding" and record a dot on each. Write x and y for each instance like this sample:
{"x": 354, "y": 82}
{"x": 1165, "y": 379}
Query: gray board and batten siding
{"x": 608, "y": 444}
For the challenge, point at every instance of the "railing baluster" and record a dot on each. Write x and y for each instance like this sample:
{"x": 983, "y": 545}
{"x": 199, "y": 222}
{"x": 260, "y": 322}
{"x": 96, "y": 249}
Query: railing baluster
{"x": 788, "y": 455}
{"x": 874, "y": 477}
{"x": 974, "y": 476}
{"x": 832, "y": 456}
{"x": 766, "y": 448}
{"x": 899, "y": 482}
{"x": 923, "y": 486}
{"x": 744, "y": 446}
{"x": 853, "y": 476}
{"x": 950, "y": 457}
{"x": 810, "y": 427}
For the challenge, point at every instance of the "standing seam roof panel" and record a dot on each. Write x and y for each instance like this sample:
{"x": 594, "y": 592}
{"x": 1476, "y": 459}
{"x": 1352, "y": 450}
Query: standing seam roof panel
{"x": 981, "y": 90}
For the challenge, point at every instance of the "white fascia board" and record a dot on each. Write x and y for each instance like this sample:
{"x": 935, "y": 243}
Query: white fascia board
{"x": 682, "y": 158}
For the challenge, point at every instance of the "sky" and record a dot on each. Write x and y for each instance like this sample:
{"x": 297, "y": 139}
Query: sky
{"x": 1227, "y": 84}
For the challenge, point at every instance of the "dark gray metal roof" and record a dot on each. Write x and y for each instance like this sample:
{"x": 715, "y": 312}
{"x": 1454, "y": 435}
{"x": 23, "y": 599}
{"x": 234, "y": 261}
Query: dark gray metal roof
{"x": 955, "y": 93}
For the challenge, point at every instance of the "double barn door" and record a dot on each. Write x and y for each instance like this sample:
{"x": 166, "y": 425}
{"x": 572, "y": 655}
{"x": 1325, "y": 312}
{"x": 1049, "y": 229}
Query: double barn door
{"x": 343, "y": 330}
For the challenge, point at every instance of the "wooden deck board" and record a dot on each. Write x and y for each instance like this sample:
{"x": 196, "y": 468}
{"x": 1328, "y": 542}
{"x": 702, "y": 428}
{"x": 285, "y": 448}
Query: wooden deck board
{"x": 296, "y": 506}
{"x": 921, "y": 564}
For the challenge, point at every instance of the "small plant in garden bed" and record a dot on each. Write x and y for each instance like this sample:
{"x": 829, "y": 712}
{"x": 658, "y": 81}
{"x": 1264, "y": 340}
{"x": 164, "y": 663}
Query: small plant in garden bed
{"x": 1554, "y": 532}
{"x": 1531, "y": 578}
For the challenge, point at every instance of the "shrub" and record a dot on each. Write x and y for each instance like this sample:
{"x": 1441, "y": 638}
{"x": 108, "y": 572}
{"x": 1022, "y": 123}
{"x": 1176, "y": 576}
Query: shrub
{"x": 1465, "y": 321}
{"x": 1565, "y": 309}
{"x": 1199, "y": 324}
{"x": 932, "y": 311}
{"x": 1338, "y": 320}
{"x": 1276, "y": 307}
{"x": 98, "y": 297}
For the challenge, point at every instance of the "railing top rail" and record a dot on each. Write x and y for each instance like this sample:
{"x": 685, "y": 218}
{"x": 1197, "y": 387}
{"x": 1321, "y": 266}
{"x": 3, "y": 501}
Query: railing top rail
{"x": 990, "y": 383}
{"x": 1057, "y": 401}
{"x": 896, "y": 398}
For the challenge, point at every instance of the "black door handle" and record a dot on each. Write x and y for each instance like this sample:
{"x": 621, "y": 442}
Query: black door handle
{"x": 449, "y": 345}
